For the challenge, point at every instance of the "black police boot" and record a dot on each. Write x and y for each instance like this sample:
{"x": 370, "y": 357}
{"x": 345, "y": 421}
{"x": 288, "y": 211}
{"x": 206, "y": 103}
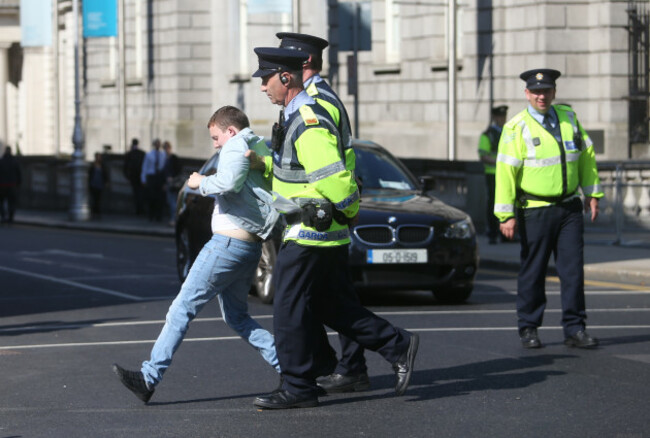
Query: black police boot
{"x": 283, "y": 399}
{"x": 529, "y": 338}
{"x": 581, "y": 340}
{"x": 404, "y": 366}
{"x": 335, "y": 383}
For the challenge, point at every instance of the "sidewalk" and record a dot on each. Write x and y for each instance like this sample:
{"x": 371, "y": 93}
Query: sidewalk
{"x": 627, "y": 263}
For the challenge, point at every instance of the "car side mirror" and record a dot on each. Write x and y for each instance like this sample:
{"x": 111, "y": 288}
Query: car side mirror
{"x": 427, "y": 183}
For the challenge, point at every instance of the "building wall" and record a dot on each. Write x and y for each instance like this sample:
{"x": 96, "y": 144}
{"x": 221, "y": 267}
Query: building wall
{"x": 185, "y": 58}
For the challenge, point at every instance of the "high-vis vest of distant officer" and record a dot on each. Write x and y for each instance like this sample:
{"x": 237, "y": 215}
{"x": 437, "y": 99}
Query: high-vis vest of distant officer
{"x": 325, "y": 97}
{"x": 488, "y": 145}
{"x": 536, "y": 170}
{"x": 309, "y": 168}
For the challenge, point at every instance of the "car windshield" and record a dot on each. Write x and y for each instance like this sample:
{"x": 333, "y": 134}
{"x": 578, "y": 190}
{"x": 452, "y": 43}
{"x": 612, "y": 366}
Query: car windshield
{"x": 380, "y": 171}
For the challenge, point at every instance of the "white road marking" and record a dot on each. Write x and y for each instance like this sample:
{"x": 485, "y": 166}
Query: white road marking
{"x": 73, "y": 326}
{"x": 557, "y": 292}
{"x": 61, "y": 252}
{"x": 230, "y": 338}
{"x": 73, "y": 283}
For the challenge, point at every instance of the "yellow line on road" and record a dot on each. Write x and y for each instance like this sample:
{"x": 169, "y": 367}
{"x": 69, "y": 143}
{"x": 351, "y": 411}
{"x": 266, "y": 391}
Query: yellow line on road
{"x": 555, "y": 279}
{"x": 595, "y": 283}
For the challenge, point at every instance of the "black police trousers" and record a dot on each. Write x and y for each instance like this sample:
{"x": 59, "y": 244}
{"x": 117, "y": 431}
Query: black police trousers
{"x": 312, "y": 289}
{"x": 558, "y": 230}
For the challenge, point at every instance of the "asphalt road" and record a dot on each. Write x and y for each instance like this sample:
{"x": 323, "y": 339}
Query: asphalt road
{"x": 74, "y": 302}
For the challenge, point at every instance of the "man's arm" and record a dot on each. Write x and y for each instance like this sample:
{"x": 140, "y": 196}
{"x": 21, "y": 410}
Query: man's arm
{"x": 232, "y": 171}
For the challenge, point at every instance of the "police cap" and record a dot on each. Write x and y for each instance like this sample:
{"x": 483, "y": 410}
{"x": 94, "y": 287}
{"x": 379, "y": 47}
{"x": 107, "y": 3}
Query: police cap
{"x": 274, "y": 60}
{"x": 501, "y": 110}
{"x": 540, "y": 78}
{"x": 301, "y": 41}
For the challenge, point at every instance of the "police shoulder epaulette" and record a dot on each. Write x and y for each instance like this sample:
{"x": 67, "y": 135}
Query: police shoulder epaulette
{"x": 308, "y": 115}
{"x": 516, "y": 119}
{"x": 312, "y": 90}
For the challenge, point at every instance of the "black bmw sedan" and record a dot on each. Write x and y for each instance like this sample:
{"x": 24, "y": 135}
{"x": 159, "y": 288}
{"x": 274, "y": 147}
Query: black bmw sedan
{"x": 406, "y": 238}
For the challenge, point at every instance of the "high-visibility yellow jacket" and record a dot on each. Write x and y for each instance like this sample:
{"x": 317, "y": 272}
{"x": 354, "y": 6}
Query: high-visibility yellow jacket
{"x": 309, "y": 168}
{"x": 535, "y": 170}
{"x": 488, "y": 145}
{"x": 323, "y": 94}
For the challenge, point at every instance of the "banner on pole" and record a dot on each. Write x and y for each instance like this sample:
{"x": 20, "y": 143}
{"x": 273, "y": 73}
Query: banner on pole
{"x": 100, "y": 18}
{"x": 35, "y": 23}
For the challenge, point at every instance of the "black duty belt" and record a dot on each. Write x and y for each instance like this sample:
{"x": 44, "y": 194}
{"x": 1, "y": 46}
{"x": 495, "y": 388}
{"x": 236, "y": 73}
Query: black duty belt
{"x": 524, "y": 197}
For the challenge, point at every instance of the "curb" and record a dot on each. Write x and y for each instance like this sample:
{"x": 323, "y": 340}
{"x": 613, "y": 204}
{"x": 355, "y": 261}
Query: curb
{"x": 98, "y": 227}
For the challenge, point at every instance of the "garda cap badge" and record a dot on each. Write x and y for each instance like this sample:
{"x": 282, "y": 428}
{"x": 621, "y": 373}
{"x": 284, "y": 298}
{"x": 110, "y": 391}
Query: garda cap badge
{"x": 539, "y": 76}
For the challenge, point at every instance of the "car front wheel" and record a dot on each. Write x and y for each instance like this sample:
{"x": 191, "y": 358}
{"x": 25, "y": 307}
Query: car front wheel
{"x": 264, "y": 274}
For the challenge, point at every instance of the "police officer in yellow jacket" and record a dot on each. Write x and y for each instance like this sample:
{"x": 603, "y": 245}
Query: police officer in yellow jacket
{"x": 488, "y": 145}
{"x": 545, "y": 159}
{"x": 320, "y": 198}
{"x": 350, "y": 373}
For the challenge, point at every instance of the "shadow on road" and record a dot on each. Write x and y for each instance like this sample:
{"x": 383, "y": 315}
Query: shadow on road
{"x": 506, "y": 373}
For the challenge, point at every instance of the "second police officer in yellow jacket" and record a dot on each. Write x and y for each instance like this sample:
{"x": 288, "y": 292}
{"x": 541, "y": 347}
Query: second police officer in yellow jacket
{"x": 350, "y": 373}
{"x": 545, "y": 159}
{"x": 320, "y": 198}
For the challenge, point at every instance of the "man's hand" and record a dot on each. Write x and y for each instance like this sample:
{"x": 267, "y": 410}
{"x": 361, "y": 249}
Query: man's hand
{"x": 508, "y": 228}
{"x": 592, "y": 204}
{"x": 257, "y": 162}
{"x": 195, "y": 180}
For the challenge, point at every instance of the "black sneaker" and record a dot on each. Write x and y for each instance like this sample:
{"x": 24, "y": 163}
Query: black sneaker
{"x": 344, "y": 383}
{"x": 134, "y": 382}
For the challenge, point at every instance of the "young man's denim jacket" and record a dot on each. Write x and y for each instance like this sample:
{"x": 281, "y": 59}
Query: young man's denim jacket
{"x": 243, "y": 194}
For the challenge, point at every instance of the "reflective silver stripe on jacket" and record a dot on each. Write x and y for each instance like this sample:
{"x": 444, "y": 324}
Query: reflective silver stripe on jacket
{"x": 504, "y": 208}
{"x": 326, "y": 171}
{"x": 296, "y": 232}
{"x": 552, "y": 161}
{"x": 284, "y": 171}
{"x": 512, "y": 161}
{"x": 590, "y": 190}
{"x": 348, "y": 201}
{"x": 528, "y": 139}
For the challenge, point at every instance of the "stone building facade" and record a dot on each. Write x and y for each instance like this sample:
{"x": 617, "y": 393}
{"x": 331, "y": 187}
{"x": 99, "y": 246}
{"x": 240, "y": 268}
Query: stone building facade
{"x": 185, "y": 58}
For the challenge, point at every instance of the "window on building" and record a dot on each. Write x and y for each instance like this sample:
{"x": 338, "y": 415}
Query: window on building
{"x": 242, "y": 57}
{"x": 135, "y": 44}
{"x": 392, "y": 30}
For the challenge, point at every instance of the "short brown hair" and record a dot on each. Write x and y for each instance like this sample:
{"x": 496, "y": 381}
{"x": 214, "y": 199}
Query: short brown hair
{"x": 229, "y": 116}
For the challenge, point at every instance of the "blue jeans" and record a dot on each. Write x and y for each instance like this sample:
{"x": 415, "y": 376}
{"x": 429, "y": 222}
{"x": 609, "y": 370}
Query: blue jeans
{"x": 225, "y": 268}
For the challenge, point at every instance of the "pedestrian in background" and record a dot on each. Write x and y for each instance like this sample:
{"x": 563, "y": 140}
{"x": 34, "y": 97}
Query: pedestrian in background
{"x": 350, "y": 373}
{"x": 132, "y": 169}
{"x": 153, "y": 179}
{"x": 545, "y": 159}
{"x": 242, "y": 218}
{"x": 171, "y": 172}
{"x": 488, "y": 146}
{"x": 311, "y": 272}
{"x": 10, "y": 179}
{"x": 98, "y": 180}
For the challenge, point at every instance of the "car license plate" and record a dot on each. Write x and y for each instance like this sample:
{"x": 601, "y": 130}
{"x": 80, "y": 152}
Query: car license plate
{"x": 376, "y": 256}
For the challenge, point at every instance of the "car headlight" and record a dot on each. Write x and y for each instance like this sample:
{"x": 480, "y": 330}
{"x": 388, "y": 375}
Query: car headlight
{"x": 460, "y": 230}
